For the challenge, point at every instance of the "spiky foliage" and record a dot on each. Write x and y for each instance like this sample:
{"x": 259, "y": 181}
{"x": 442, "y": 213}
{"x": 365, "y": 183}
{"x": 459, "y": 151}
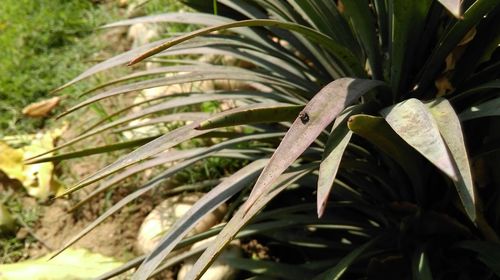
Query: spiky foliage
{"x": 355, "y": 116}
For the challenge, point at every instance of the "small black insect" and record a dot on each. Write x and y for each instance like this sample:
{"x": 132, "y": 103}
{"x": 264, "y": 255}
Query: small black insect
{"x": 304, "y": 117}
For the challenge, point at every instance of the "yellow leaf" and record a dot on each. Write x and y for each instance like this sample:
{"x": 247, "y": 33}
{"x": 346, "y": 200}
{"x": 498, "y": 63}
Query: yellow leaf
{"x": 71, "y": 264}
{"x": 36, "y": 178}
{"x": 11, "y": 162}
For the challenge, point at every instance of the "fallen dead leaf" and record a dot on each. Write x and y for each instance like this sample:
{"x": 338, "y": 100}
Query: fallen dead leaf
{"x": 42, "y": 108}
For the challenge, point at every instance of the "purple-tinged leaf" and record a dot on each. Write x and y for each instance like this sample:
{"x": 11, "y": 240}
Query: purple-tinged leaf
{"x": 335, "y": 147}
{"x": 412, "y": 121}
{"x": 323, "y": 108}
{"x": 451, "y": 131}
{"x": 202, "y": 207}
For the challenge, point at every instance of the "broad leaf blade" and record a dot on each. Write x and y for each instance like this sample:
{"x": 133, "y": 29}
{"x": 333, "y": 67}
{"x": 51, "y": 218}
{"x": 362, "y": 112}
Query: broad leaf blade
{"x": 412, "y": 121}
{"x": 378, "y": 132}
{"x": 318, "y": 114}
{"x": 451, "y": 131}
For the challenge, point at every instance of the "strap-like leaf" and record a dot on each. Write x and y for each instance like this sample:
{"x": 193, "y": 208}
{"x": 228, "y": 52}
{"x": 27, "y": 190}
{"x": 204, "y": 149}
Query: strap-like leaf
{"x": 252, "y": 114}
{"x": 363, "y": 22}
{"x": 93, "y": 151}
{"x": 205, "y": 205}
{"x": 337, "y": 271}
{"x": 407, "y": 21}
{"x": 345, "y": 58}
{"x": 487, "y": 252}
{"x": 452, "y": 36}
{"x": 451, "y": 131}
{"x": 318, "y": 114}
{"x": 242, "y": 217}
{"x": 420, "y": 266}
{"x": 272, "y": 269}
{"x": 156, "y": 146}
{"x": 412, "y": 121}
{"x": 486, "y": 109}
{"x": 335, "y": 147}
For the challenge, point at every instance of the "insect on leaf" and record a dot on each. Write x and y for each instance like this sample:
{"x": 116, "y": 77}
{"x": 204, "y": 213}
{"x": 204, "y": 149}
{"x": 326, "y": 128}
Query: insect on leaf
{"x": 323, "y": 108}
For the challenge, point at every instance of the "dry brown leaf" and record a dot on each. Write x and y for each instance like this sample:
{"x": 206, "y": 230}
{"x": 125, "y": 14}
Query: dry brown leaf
{"x": 42, "y": 108}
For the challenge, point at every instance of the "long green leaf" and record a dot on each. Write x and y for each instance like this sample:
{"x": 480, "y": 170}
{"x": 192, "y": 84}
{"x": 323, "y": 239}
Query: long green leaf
{"x": 252, "y": 114}
{"x": 205, "y": 205}
{"x": 486, "y": 109}
{"x": 451, "y": 131}
{"x": 241, "y": 218}
{"x": 453, "y": 35}
{"x": 272, "y": 269}
{"x": 318, "y": 114}
{"x": 345, "y": 59}
{"x": 407, "y": 19}
{"x": 161, "y": 159}
{"x": 156, "y": 146}
{"x": 93, "y": 151}
{"x": 364, "y": 23}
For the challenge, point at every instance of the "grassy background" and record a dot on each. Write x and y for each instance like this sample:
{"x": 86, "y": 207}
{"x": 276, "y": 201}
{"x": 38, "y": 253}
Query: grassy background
{"x": 44, "y": 44}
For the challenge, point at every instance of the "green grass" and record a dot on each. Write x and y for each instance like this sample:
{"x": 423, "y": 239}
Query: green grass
{"x": 44, "y": 44}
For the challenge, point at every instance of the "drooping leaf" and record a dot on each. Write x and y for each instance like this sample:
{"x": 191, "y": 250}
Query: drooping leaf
{"x": 452, "y": 36}
{"x": 158, "y": 145}
{"x": 318, "y": 114}
{"x": 242, "y": 217}
{"x": 93, "y": 151}
{"x": 377, "y": 131}
{"x": 205, "y": 205}
{"x": 252, "y": 114}
{"x": 451, "y": 131}
{"x": 412, "y": 121}
{"x": 335, "y": 147}
{"x": 345, "y": 59}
